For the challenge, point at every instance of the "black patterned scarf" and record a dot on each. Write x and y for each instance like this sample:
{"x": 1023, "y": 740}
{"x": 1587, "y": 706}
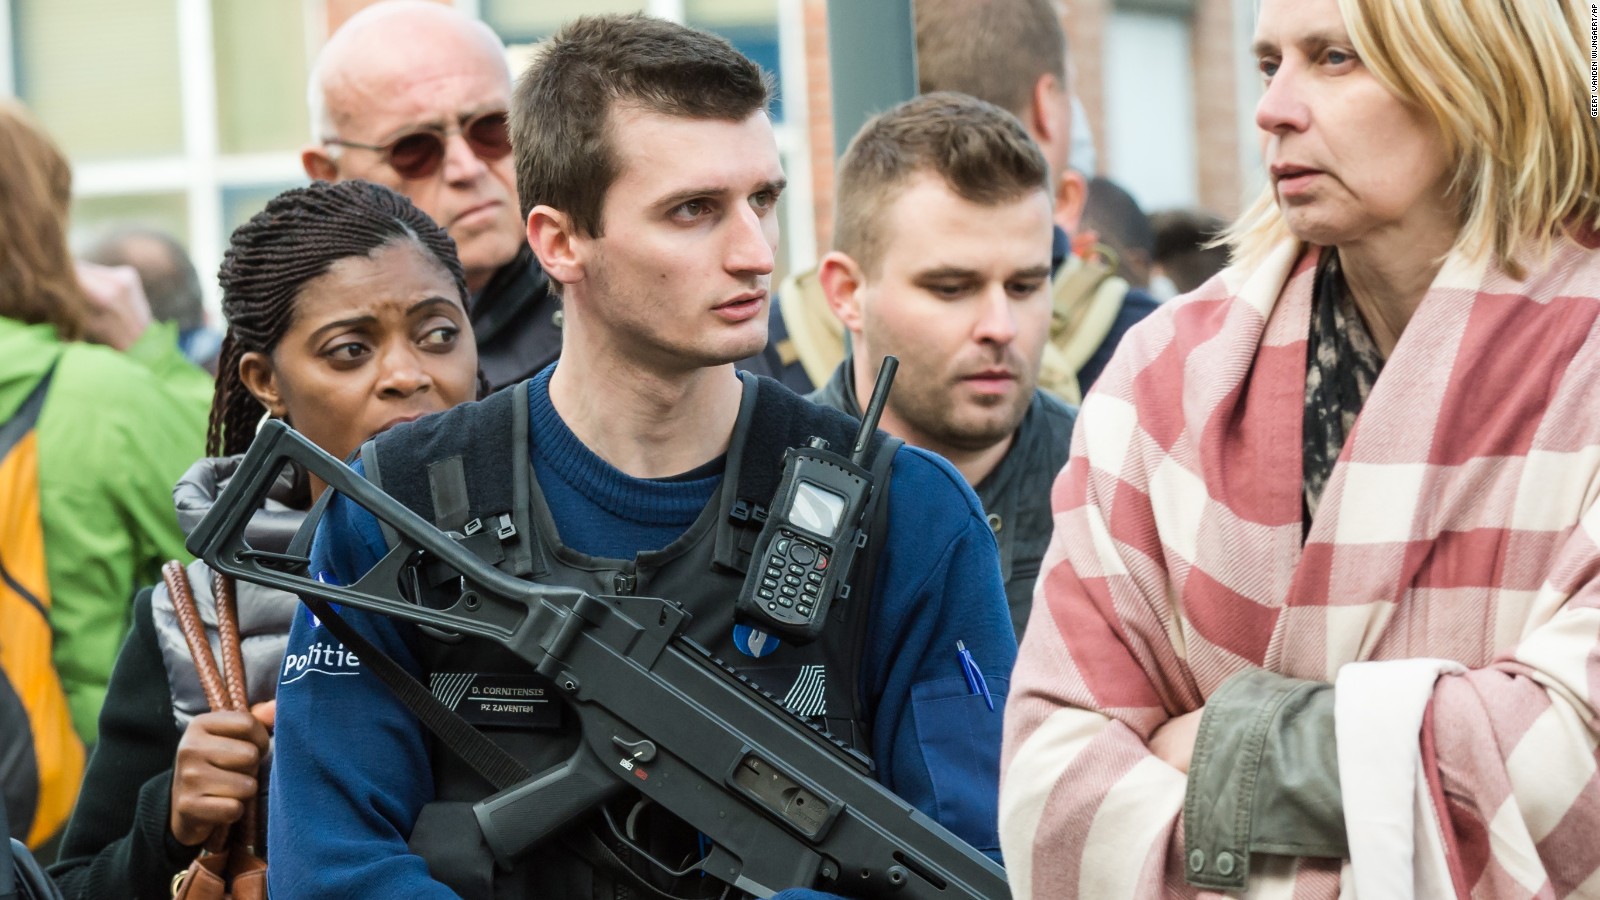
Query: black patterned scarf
{"x": 1342, "y": 362}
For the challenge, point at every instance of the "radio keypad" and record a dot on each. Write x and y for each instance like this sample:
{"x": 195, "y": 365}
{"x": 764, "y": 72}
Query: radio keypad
{"x": 794, "y": 575}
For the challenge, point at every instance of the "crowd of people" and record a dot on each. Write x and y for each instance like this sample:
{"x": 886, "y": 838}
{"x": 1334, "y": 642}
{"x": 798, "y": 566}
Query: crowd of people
{"x": 1288, "y": 586}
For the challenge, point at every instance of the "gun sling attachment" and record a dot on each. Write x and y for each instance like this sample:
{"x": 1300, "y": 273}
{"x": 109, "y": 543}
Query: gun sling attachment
{"x": 782, "y": 804}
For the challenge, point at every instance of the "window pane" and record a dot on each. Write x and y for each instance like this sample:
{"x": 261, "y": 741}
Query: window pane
{"x": 1153, "y": 160}
{"x": 164, "y": 212}
{"x": 261, "y": 75}
{"x": 240, "y": 203}
{"x": 102, "y": 74}
{"x": 519, "y": 22}
{"x": 718, "y": 13}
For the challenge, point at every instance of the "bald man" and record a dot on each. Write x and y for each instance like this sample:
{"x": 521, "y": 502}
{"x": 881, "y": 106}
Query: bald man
{"x": 413, "y": 95}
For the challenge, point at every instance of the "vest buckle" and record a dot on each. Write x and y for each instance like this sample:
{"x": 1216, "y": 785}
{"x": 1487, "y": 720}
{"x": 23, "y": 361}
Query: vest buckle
{"x": 746, "y": 512}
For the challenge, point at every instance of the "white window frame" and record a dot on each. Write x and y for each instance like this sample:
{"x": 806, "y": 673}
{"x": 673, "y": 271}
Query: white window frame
{"x": 200, "y": 172}
{"x": 8, "y": 59}
{"x": 1247, "y": 93}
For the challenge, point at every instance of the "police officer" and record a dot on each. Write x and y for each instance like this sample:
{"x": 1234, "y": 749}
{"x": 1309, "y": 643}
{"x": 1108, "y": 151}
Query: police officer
{"x": 942, "y": 236}
{"x": 1012, "y": 53}
{"x": 649, "y": 178}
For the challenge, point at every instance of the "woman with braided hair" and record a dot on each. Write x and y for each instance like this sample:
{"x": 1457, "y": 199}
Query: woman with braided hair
{"x": 346, "y": 311}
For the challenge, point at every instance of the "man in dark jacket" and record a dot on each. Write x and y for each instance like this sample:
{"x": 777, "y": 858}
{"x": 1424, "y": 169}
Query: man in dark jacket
{"x": 943, "y": 237}
{"x": 413, "y": 95}
{"x": 1012, "y": 53}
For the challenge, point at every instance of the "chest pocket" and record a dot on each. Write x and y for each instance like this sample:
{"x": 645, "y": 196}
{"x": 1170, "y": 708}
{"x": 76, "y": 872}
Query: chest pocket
{"x": 958, "y": 733}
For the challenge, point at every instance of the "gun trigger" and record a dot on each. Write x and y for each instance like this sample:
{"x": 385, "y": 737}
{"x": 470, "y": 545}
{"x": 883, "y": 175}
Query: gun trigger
{"x": 641, "y": 750}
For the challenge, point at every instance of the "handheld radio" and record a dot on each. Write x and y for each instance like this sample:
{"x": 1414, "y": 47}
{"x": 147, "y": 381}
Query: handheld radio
{"x": 814, "y": 527}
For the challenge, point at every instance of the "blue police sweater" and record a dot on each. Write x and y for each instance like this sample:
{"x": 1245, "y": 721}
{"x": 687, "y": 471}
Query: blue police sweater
{"x": 350, "y": 763}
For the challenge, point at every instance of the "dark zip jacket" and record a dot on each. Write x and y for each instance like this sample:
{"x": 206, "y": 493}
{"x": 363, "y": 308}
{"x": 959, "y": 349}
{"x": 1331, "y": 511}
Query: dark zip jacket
{"x": 516, "y": 320}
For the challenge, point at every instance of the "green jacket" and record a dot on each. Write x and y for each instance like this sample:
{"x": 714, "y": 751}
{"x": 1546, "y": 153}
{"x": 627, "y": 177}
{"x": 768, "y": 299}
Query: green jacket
{"x": 116, "y": 431}
{"x": 1264, "y": 778}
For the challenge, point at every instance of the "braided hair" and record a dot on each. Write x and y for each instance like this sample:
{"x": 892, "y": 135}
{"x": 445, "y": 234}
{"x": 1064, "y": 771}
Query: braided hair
{"x": 297, "y": 238}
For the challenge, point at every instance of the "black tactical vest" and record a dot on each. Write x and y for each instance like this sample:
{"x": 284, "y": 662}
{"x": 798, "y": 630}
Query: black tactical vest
{"x": 469, "y": 470}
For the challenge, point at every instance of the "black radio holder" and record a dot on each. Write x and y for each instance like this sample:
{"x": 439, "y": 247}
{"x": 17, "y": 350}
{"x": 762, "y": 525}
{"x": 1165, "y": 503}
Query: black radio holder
{"x": 815, "y": 526}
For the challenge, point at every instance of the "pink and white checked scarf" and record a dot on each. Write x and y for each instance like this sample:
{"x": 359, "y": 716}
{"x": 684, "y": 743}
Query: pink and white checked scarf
{"x": 1460, "y": 523}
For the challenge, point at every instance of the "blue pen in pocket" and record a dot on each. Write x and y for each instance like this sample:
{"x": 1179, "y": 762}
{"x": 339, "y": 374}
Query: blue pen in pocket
{"x": 974, "y": 675}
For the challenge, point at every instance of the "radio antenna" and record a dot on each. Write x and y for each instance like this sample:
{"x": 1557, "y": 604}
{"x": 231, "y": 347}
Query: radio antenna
{"x": 874, "y": 411}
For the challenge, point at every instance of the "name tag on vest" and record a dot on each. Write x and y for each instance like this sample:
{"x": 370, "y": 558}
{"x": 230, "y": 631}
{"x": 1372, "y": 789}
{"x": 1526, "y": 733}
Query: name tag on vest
{"x": 501, "y": 701}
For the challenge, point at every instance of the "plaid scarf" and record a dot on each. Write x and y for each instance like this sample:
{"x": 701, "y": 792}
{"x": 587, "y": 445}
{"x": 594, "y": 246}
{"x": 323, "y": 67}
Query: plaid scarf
{"x": 1459, "y": 521}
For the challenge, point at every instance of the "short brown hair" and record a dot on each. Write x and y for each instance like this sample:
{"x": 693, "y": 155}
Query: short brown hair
{"x": 38, "y": 282}
{"x": 995, "y": 50}
{"x": 981, "y": 151}
{"x": 561, "y": 110}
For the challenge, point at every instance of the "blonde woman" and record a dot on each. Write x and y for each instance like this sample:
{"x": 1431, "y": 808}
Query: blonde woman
{"x": 1321, "y": 614}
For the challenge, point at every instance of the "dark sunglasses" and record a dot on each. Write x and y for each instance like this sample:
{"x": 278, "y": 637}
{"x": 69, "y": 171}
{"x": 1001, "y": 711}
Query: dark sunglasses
{"x": 418, "y": 154}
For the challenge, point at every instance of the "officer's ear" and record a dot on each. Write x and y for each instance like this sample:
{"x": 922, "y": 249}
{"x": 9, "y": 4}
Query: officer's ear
{"x": 843, "y": 283}
{"x": 1072, "y": 194}
{"x": 260, "y": 378}
{"x": 559, "y": 248}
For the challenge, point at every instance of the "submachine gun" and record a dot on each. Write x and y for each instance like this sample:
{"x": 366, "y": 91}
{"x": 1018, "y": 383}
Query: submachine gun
{"x": 782, "y": 804}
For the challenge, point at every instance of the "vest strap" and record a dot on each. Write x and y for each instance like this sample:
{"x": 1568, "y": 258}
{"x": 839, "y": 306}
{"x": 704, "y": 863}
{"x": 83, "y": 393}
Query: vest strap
{"x": 777, "y": 420}
{"x": 300, "y": 545}
{"x": 867, "y": 567}
{"x": 374, "y": 473}
{"x": 523, "y": 557}
{"x": 448, "y": 482}
{"x": 734, "y": 545}
{"x": 497, "y": 766}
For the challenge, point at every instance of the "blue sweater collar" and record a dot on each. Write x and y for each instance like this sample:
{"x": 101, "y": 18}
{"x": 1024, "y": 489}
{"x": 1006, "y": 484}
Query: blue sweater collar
{"x": 650, "y": 501}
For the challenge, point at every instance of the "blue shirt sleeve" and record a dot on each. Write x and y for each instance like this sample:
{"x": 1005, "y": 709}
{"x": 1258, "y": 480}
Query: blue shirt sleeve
{"x": 351, "y": 769}
{"x": 937, "y": 744}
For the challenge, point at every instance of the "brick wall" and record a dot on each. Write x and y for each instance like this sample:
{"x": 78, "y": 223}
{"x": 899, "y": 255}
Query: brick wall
{"x": 820, "y": 113}
{"x": 1216, "y": 107}
{"x": 339, "y": 10}
{"x": 1085, "y": 23}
